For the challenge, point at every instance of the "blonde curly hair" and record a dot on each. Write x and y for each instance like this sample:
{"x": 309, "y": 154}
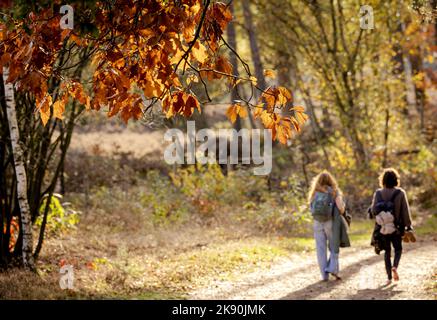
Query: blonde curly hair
{"x": 321, "y": 182}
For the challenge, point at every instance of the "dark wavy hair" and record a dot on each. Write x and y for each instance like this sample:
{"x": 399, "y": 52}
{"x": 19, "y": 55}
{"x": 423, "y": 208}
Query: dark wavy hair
{"x": 389, "y": 178}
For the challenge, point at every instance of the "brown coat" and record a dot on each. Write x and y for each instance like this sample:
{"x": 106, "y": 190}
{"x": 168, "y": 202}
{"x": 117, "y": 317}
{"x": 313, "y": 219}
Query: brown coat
{"x": 401, "y": 210}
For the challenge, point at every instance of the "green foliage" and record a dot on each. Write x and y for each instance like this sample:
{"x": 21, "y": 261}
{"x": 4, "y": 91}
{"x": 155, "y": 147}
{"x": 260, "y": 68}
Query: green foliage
{"x": 283, "y": 210}
{"x": 60, "y": 218}
{"x": 205, "y": 192}
{"x": 429, "y": 227}
{"x": 201, "y": 185}
{"x": 208, "y": 189}
{"x": 421, "y": 163}
{"x": 273, "y": 217}
{"x": 167, "y": 205}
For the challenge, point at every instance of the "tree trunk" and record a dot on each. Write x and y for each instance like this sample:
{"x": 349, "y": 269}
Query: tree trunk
{"x": 420, "y": 94}
{"x": 233, "y": 59}
{"x": 434, "y": 8}
{"x": 284, "y": 79}
{"x": 326, "y": 120}
{"x": 20, "y": 172}
{"x": 386, "y": 133}
{"x": 254, "y": 48}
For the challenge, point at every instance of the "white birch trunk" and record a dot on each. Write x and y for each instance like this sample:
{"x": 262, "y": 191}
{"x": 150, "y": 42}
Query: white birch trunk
{"x": 26, "y": 223}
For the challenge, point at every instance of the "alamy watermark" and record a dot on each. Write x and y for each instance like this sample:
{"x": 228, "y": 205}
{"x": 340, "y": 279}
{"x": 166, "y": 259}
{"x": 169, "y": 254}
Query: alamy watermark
{"x": 67, "y": 20}
{"x": 220, "y": 147}
{"x": 367, "y": 279}
{"x": 366, "y": 18}
{"x": 66, "y": 280}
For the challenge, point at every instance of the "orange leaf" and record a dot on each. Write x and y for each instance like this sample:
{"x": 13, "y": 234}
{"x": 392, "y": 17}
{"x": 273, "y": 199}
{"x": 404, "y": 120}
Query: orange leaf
{"x": 223, "y": 65}
{"x": 301, "y": 117}
{"x": 44, "y": 108}
{"x": 191, "y": 104}
{"x": 295, "y": 124}
{"x": 283, "y": 134}
{"x": 199, "y": 52}
{"x": 269, "y": 96}
{"x": 45, "y": 116}
{"x": 269, "y": 73}
{"x": 58, "y": 109}
{"x": 231, "y": 113}
{"x": 284, "y": 95}
{"x": 242, "y": 111}
{"x": 267, "y": 119}
{"x": 298, "y": 109}
{"x": 76, "y": 39}
{"x": 65, "y": 33}
{"x": 258, "y": 110}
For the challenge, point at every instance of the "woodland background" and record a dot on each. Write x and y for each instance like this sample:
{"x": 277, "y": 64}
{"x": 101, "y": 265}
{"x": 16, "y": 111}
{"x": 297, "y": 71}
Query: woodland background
{"x": 135, "y": 227}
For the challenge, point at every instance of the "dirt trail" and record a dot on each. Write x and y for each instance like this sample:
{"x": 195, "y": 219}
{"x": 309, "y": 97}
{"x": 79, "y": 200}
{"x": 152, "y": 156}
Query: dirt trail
{"x": 362, "y": 271}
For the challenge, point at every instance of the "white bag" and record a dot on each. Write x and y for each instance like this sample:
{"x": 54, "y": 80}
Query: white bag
{"x": 386, "y": 221}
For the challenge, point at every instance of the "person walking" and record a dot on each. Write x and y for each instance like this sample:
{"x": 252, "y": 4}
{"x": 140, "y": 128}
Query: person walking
{"x": 330, "y": 229}
{"x": 392, "y": 213}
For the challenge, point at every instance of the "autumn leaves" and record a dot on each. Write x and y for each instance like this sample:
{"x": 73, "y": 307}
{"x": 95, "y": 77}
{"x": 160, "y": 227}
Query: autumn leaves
{"x": 31, "y": 50}
{"x": 271, "y": 100}
{"x": 236, "y": 110}
{"x": 181, "y": 103}
{"x": 69, "y": 89}
{"x": 141, "y": 55}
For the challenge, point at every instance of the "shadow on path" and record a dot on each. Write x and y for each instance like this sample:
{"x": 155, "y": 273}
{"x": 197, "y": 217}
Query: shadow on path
{"x": 251, "y": 284}
{"x": 379, "y": 293}
{"x": 314, "y": 290}
{"x": 268, "y": 278}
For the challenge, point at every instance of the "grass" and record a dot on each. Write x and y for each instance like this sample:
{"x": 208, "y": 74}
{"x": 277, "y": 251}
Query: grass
{"x": 173, "y": 276}
{"x": 361, "y": 231}
{"x": 29, "y": 286}
{"x": 428, "y": 227}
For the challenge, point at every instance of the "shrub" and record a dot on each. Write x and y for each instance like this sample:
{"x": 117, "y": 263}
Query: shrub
{"x": 283, "y": 210}
{"x": 60, "y": 217}
{"x": 162, "y": 197}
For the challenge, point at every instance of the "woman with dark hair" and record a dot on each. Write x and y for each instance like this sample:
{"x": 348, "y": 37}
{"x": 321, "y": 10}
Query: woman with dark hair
{"x": 390, "y": 206}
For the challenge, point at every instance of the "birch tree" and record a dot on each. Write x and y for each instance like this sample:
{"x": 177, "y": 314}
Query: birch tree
{"x": 20, "y": 172}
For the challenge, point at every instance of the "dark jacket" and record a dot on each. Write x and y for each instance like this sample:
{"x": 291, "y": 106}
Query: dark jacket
{"x": 340, "y": 238}
{"x": 401, "y": 213}
{"x": 401, "y": 210}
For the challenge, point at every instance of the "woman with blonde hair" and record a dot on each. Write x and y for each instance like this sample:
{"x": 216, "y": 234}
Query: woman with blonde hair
{"x": 327, "y": 205}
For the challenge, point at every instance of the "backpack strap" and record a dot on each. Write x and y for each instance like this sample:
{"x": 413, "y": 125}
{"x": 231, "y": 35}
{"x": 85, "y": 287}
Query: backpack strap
{"x": 334, "y": 204}
{"x": 378, "y": 196}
